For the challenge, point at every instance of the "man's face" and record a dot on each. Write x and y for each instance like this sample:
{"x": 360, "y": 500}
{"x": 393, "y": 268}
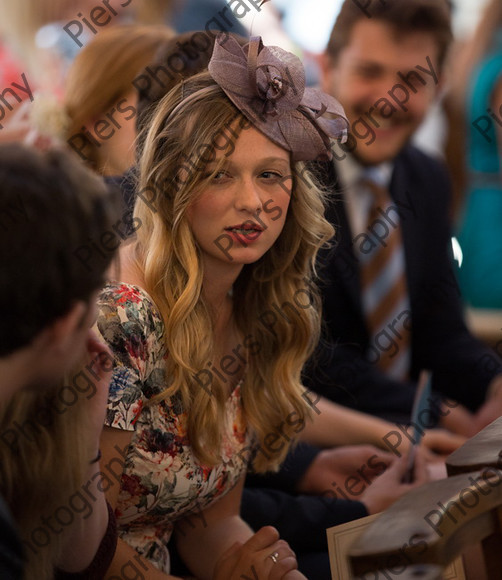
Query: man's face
{"x": 69, "y": 345}
{"x": 383, "y": 108}
{"x": 77, "y": 341}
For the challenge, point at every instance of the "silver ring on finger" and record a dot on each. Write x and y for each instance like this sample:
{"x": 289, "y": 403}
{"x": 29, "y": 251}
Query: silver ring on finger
{"x": 274, "y": 557}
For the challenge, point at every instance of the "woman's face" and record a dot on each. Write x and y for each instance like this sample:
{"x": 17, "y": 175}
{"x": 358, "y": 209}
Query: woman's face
{"x": 242, "y": 211}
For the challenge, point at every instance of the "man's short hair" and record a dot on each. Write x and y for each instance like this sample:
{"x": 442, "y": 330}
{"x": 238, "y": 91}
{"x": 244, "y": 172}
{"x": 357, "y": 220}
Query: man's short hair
{"x": 53, "y": 211}
{"x": 405, "y": 16}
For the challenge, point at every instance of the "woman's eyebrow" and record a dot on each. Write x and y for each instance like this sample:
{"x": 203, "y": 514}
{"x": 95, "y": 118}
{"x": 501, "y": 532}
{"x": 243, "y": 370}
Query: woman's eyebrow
{"x": 260, "y": 161}
{"x": 274, "y": 159}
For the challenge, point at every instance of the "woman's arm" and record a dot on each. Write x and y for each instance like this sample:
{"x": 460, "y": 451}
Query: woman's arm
{"x": 216, "y": 545}
{"x": 127, "y": 559}
{"x": 201, "y": 540}
{"x": 221, "y": 546}
{"x": 336, "y": 425}
{"x": 114, "y": 445}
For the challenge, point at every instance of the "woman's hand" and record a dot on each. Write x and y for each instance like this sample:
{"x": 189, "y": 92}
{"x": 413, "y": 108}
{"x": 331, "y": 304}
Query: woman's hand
{"x": 263, "y": 557}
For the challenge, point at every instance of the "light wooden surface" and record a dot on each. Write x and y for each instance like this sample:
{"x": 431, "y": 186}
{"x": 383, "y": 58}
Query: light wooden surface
{"x": 417, "y": 530}
{"x": 341, "y": 537}
{"x": 482, "y": 450}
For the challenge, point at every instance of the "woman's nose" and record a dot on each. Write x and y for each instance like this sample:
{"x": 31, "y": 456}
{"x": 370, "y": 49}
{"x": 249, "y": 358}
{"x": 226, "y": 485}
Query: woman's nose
{"x": 248, "y": 197}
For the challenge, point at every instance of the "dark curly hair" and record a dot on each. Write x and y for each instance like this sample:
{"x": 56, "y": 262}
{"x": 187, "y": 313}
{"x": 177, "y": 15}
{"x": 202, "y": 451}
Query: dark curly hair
{"x": 404, "y": 16}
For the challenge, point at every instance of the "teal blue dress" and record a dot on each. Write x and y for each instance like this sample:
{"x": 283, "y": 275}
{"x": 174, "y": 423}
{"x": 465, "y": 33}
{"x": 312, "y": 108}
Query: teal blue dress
{"x": 480, "y": 228}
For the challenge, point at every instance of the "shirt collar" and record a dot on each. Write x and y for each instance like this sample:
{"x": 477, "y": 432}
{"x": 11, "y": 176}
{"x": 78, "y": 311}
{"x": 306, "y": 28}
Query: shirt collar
{"x": 350, "y": 172}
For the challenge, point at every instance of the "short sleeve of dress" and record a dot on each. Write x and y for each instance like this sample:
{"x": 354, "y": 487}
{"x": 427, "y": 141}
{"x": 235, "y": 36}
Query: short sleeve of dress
{"x": 130, "y": 324}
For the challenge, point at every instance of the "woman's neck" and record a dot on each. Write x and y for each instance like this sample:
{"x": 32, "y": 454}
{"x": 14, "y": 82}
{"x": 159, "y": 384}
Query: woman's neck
{"x": 215, "y": 288}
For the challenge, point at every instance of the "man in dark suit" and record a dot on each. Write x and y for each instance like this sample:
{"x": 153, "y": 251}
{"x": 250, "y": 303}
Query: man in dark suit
{"x": 383, "y": 63}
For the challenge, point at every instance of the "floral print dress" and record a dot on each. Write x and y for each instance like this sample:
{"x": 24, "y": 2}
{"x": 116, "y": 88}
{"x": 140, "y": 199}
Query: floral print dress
{"x": 161, "y": 481}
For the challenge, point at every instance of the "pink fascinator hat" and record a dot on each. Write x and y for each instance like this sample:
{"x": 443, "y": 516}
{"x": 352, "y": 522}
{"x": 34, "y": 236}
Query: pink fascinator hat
{"x": 267, "y": 84}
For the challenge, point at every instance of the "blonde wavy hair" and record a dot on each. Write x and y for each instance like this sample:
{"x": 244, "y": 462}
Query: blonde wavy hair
{"x": 185, "y": 124}
{"x": 46, "y": 467}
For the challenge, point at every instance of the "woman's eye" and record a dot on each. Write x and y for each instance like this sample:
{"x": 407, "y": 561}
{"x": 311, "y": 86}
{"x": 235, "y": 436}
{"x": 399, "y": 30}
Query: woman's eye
{"x": 271, "y": 175}
{"x": 219, "y": 175}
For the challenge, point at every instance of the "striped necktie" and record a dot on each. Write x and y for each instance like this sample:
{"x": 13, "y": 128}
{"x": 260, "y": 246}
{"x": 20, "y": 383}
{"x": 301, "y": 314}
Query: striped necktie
{"x": 383, "y": 281}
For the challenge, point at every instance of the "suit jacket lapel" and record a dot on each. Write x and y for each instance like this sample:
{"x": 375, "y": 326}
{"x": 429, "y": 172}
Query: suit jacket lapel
{"x": 402, "y": 191}
{"x": 345, "y": 267}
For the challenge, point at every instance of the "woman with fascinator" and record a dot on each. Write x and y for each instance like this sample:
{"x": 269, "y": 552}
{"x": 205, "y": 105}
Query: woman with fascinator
{"x": 215, "y": 313}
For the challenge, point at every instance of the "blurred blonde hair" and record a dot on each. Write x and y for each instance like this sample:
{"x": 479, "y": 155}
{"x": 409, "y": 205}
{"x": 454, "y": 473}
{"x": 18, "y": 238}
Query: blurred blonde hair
{"x": 153, "y": 11}
{"x": 103, "y": 73}
{"x": 40, "y": 475}
{"x": 22, "y": 19}
{"x": 169, "y": 258}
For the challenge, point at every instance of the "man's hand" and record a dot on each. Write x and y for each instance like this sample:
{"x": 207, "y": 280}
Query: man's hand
{"x": 492, "y": 408}
{"x": 459, "y": 420}
{"x": 389, "y": 487}
{"x": 441, "y": 442}
{"x": 364, "y": 462}
{"x": 98, "y": 361}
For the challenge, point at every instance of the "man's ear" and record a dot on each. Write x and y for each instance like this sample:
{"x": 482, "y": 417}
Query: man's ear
{"x": 442, "y": 84}
{"x": 64, "y": 327}
{"x": 327, "y": 71}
